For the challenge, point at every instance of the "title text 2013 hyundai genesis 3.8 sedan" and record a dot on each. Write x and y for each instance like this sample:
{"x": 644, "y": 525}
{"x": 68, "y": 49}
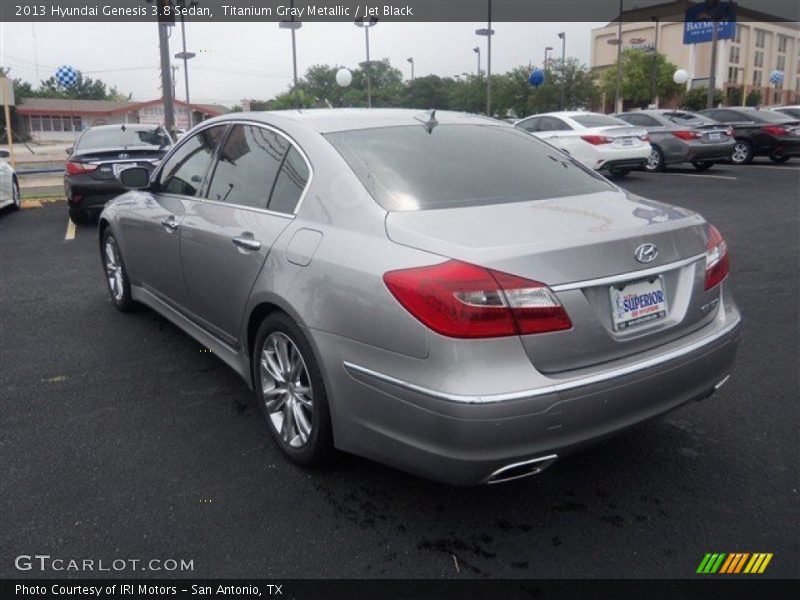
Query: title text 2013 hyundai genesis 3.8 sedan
{"x": 440, "y": 292}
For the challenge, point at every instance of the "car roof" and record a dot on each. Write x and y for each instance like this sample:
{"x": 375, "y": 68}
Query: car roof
{"x": 327, "y": 120}
{"x": 143, "y": 126}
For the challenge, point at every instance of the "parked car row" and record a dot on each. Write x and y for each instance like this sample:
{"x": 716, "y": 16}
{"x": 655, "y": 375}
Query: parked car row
{"x": 654, "y": 139}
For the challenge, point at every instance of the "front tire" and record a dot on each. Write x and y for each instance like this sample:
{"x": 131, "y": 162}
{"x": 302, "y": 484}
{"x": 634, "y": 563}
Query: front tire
{"x": 742, "y": 153}
{"x": 655, "y": 163}
{"x": 701, "y": 165}
{"x": 119, "y": 287}
{"x": 291, "y": 393}
{"x": 779, "y": 159}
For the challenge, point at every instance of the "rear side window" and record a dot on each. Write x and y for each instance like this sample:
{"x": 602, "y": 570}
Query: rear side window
{"x": 727, "y": 116}
{"x": 247, "y": 166}
{"x": 640, "y": 120}
{"x": 185, "y": 170}
{"x": 407, "y": 168}
{"x": 529, "y": 124}
{"x": 290, "y": 183}
{"x": 553, "y": 124}
{"x": 684, "y": 118}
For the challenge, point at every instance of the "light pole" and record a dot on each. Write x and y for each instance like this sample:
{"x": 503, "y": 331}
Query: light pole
{"x": 410, "y": 60}
{"x": 185, "y": 56}
{"x": 712, "y": 75}
{"x": 653, "y": 74}
{"x": 547, "y": 49}
{"x": 563, "y": 37}
{"x": 360, "y": 22}
{"x": 293, "y": 26}
{"x": 477, "y": 51}
{"x": 488, "y": 33}
{"x": 618, "y": 86}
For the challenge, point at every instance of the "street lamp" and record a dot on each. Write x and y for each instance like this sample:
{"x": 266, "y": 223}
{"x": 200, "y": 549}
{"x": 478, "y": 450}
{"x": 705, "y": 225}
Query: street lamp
{"x": 410, "y": 59}
{"x": 477, "y": 51}
{"x": 563, "y": 37}
{"x": 546, "y": 50}
{"x": 360, "y": 22}
{"x": 185, "y": 56}
{"x": 618, "y": 83}
{"x": 488, "y": 32}
{"x": 293, "y": 26}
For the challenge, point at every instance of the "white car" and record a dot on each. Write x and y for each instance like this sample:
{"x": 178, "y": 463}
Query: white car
{"x": 9, "y": 184}
{"x": 601, "y": 142}
{"x": 789, "y": 111}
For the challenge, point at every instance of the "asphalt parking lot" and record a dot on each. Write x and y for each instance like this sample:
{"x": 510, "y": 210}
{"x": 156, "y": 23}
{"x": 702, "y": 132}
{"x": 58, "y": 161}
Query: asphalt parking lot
{"x": 122, "y": 437}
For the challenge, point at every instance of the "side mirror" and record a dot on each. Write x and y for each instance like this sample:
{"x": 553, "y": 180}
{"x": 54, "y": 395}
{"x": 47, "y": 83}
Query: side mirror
{"x": 134, "y": 178}
{"x": 4, "y": 154}
{"x": 70, "y": 150}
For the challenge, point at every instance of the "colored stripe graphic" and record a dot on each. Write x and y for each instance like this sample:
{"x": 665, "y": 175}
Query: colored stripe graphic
{"x": 735, "y": 562}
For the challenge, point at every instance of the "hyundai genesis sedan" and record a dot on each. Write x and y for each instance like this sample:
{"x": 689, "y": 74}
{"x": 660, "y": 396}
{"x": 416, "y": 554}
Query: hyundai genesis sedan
{"x": 440, "y": 292}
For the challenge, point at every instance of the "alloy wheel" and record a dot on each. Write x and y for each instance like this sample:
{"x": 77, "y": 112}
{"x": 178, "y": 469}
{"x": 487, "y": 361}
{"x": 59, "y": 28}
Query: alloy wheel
{"x": 114, "y": 274}
{"x": 286, "y": 389}
{"x": 740, "y": 152}
{"x": 654, "y": 160}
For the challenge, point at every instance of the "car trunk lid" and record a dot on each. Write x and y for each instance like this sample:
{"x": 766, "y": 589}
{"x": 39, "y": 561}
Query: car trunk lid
{"x": 580, "y": 246}
{"x": 108, "y": 162}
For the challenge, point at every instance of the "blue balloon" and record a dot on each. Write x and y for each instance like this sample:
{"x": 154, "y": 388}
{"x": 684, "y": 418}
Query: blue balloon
{"x": 536, "y": 78}
{"x": 66, "y": 76}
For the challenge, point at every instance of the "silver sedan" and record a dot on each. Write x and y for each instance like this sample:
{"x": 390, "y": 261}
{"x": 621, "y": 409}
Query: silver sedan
{"x": 436, "y": 291}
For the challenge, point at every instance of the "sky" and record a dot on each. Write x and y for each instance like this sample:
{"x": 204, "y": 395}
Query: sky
{"x": 253, "y": 60}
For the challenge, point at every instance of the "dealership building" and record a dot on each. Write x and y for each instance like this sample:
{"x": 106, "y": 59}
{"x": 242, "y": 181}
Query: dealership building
{"x": 758, "y": 45}
{"x": 57, "y": 119}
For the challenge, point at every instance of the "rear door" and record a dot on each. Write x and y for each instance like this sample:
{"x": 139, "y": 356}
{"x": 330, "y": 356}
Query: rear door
{"x": 256, "y": 183}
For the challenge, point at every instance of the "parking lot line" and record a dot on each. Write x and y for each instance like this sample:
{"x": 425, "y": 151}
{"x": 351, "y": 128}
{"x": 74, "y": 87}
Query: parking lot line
{"x": 706, "y": 176}
{"x": 70, "y": 235}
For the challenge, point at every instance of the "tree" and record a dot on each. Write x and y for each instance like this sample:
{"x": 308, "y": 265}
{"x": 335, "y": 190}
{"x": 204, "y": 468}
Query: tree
{"x": 85, "y": 89}
{"x": 637, "y": 78}
{"x": 431, "y": 91}
{"x": 754, "y": 98}
{"x": 697, "y": 98}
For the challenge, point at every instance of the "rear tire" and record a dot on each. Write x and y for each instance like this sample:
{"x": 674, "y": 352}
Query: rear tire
{"x": 286, "y": 377}
{"x": 655, "y": 163}
{"x": 779, "y": 159}
{"x": 79, "y": 216}
{"x": 119, "y": 287}
{"x": 701, "y": 165}
{"x": 742, "y": 153}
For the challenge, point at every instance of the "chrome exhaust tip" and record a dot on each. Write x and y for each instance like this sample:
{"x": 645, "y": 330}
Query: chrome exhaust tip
{"x": 518, "y": 470}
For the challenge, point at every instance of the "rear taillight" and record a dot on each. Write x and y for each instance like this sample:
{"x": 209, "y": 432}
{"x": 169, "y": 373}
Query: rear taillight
{"x": 644, "y": 137}
{"x": 596, "y": 140}
{"x": 717, "y": 261}
{"x": 74, "y": 168}
{"x": 774, "y": 130}
{"x": 461, "y": 300}
{"x": 687, "y": 135}
{"x": 729, "y": 132}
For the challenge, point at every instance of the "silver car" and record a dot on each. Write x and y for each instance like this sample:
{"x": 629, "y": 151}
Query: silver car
{"x": 680, "y": 137}
{"x": 9, "y": 184}
{"x": 440, "y": 292}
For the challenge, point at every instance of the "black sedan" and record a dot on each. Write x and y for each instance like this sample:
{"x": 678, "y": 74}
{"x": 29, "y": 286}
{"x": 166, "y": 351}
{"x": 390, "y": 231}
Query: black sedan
{"x": 759, "y": 132}
{"x": 99, "y": 154}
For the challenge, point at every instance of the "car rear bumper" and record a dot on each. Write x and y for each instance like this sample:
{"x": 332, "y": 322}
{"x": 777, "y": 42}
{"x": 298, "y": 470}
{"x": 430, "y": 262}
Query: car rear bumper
{"x": 624, "y": 163}
{"x": 710, "y": 152}
{"x": 787, "y": 146}
{"x": 468, "y": 440}
{"x": 609, "y": 156}
{"x": 83, "y": 191}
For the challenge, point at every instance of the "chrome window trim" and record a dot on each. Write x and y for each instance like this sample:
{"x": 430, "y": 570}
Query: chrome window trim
{"x": 226, "y": 122}
{"x": 631, "y": 275}
{"x": 554, "y": 387}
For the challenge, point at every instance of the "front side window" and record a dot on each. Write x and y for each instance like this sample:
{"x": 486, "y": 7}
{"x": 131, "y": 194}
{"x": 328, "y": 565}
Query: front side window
{"x": 247, "y": 166}
{"x": 185, "y": 171}
{"x": 406, "y": 168}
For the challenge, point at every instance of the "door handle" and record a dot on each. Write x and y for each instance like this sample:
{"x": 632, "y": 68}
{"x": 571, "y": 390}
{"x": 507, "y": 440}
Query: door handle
{"x": 170, "y": 223}
{"x": 247, "y": 243}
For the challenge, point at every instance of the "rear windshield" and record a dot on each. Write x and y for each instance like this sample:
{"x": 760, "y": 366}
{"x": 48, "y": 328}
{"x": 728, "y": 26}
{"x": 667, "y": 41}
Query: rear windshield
{"x": 407, "y": 168}
{"x": 119, "y": 137}
{"x": 684, "y": 118}
{"x": 598, "y": 120}
{"x": 768, "y": 116}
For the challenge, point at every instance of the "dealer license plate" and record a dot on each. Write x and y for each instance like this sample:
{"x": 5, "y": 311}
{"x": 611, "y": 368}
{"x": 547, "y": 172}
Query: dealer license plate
{"x": 714, "y": 136}
{"x": 627, "y": 141}
{"x": 637, "y": 303}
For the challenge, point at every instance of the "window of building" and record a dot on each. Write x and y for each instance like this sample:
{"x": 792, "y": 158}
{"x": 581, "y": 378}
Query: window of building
{"x": 758, "y": 60}
{"x": 733, "y": 74}
{"x": 761, "y": 38}
{"x": 781, "y": 65}
{"x": 734, "y": 55}
{"x": 738, "y": 35}
{"x": 782, "y": 42}
{"x": 757, "y": 78}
